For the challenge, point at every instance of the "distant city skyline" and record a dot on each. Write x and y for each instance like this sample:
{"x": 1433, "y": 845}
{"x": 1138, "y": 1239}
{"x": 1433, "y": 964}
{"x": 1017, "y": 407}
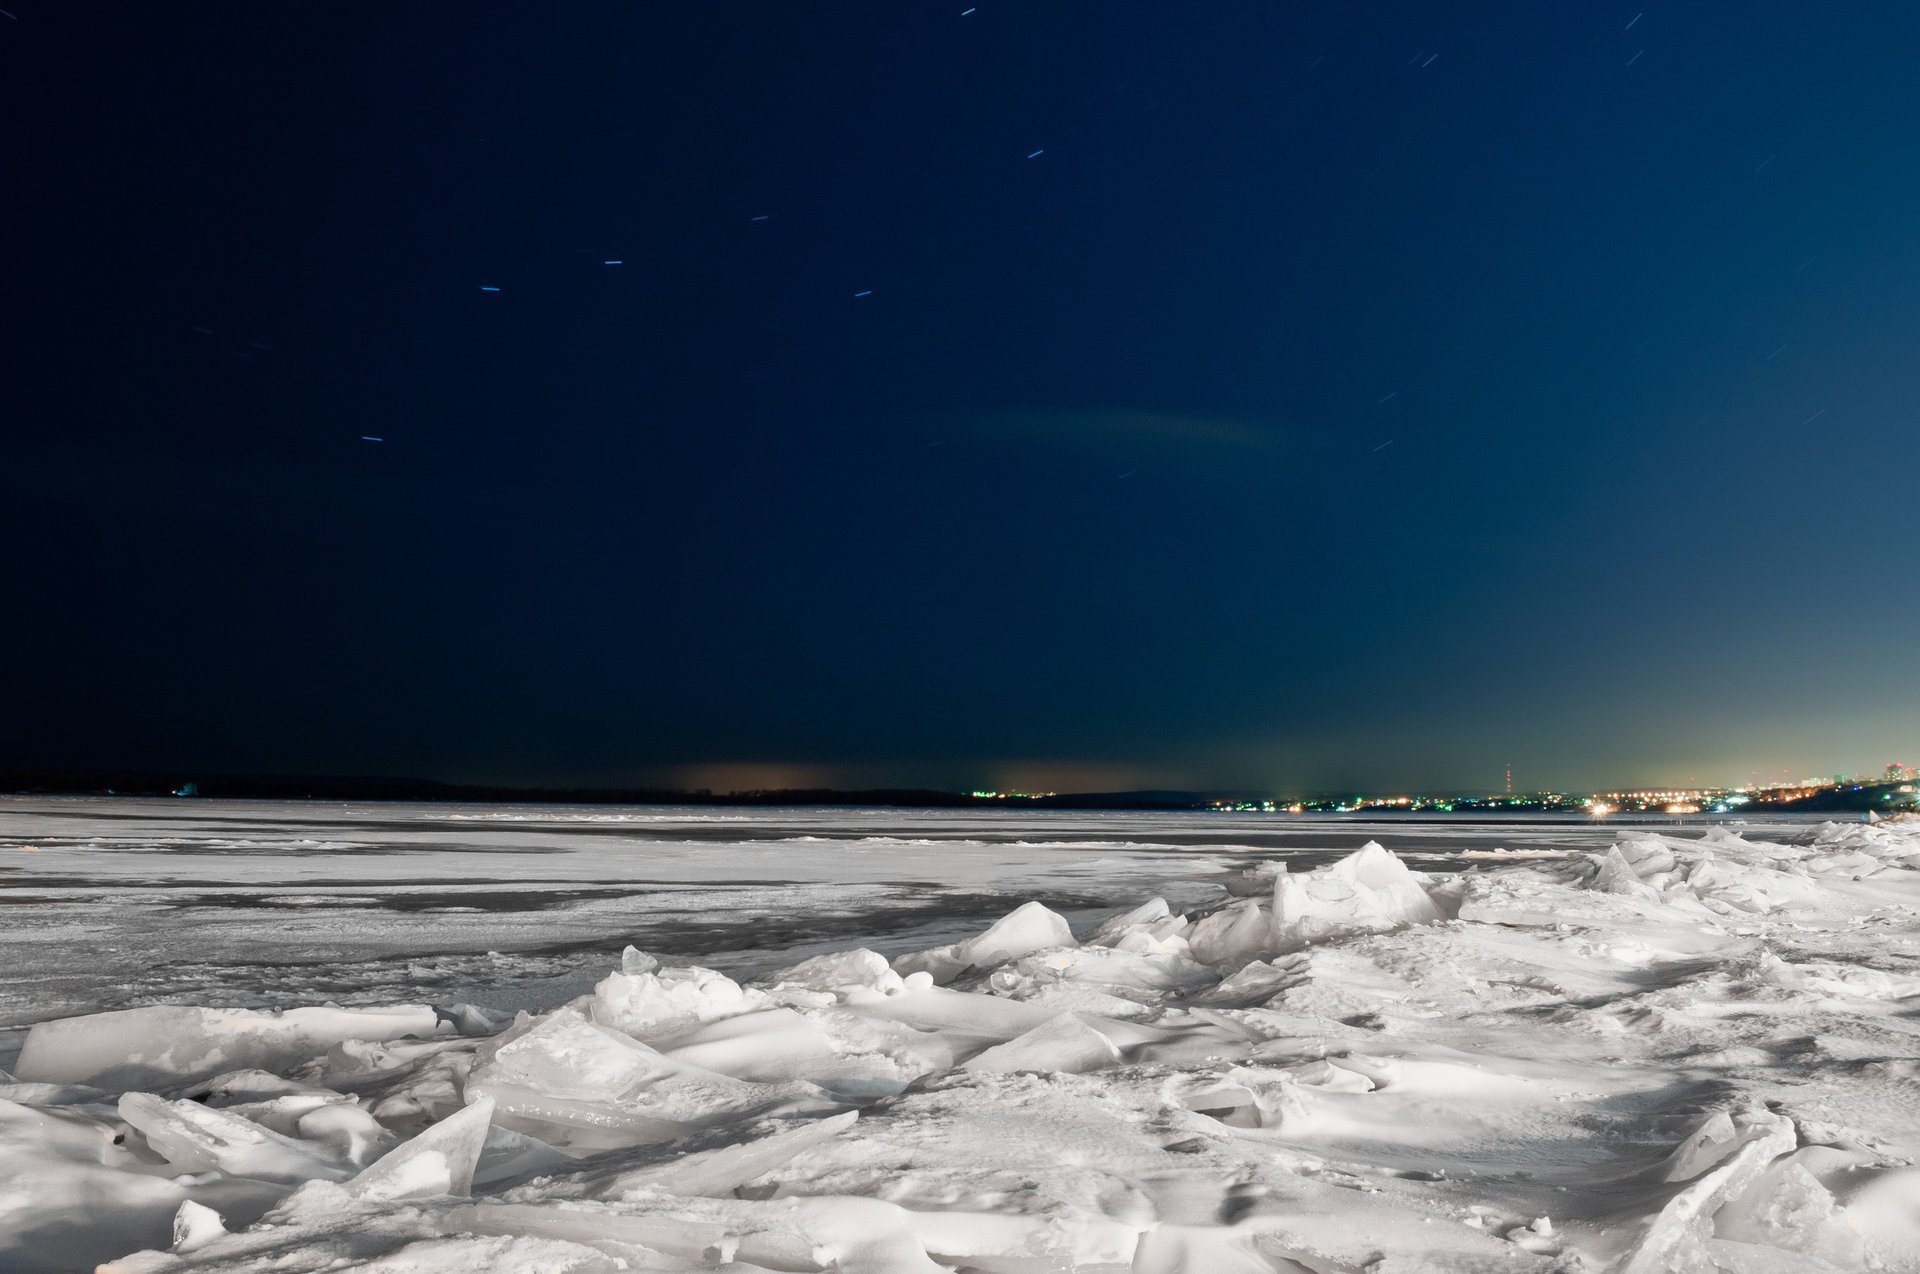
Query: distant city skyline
{"x": 1892, "y": 788}
{"x": 1093, "y": 777}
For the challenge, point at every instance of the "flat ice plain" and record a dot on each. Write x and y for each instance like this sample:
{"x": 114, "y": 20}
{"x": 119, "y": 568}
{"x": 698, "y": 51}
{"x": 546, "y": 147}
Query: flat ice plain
{"x": 412, "y": 1039}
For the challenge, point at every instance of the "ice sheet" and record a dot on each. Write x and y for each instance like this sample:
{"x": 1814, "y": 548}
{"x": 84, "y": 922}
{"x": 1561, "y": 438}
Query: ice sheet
{"x": 1655, "y": 1049}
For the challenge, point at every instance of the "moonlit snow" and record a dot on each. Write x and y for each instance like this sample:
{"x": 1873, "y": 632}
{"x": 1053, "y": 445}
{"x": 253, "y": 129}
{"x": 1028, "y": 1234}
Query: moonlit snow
{"x": 1637, "y": 1049}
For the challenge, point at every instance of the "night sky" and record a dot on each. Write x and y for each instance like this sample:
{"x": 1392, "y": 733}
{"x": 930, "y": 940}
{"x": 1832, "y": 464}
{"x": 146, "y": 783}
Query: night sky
{"x": 1065, "y": 395}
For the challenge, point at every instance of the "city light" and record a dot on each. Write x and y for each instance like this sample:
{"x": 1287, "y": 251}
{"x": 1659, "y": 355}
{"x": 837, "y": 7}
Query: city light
{"x": 1890, "y": 790}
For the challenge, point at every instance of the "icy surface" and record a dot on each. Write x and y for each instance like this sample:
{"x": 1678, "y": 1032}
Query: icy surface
{"x": 118, "y": 903}
{"x": 1656, "y": 1049}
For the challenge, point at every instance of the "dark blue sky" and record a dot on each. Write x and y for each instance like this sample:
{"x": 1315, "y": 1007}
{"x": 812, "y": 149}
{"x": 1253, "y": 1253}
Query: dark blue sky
{"x": 1359, "y": 394}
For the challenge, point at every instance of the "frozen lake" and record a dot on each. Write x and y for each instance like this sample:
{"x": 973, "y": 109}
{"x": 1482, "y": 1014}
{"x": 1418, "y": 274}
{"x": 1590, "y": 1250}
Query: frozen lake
{"x": 1116, "y": 1044}
{"x": 115, "y": 902}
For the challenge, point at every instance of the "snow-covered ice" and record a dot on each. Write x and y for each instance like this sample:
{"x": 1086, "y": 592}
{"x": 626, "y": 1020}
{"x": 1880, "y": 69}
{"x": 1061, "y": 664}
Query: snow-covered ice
{"x": 1630, "y": 1048}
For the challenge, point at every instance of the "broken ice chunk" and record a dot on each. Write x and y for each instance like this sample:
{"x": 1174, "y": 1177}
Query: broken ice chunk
{"x": 657, "y": 1004}
{"x": 195, "y": 1225}
{"x": 841, "y": 972}
{"x": 349, "y": 1128}
{"x": 578, "y": 1085}
{"x": 196, "y": 1138}
{"x": 1065, "y": 1044}
{"x": 1027, "y": 928}
{"x": 1232, "y": 936}
{"x": 1115, "y": 927}
{"x": 1368, "y": 891}
{"x": 164, "y": 1046}
{"x": 1687, "y": 1218}
{"x": 437, "y": 1162}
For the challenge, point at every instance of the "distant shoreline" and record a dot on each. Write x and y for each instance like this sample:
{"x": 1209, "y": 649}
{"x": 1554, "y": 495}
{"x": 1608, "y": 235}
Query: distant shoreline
{"x": 357, "y": 788}
{"x": 279, "y": 787}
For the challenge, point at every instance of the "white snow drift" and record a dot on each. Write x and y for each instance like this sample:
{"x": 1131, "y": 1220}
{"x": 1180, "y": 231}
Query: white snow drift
{"x": 1677, "y": 1055}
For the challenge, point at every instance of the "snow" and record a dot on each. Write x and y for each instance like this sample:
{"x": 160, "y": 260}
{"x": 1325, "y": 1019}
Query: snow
{"x": 1624, "y": 1049}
